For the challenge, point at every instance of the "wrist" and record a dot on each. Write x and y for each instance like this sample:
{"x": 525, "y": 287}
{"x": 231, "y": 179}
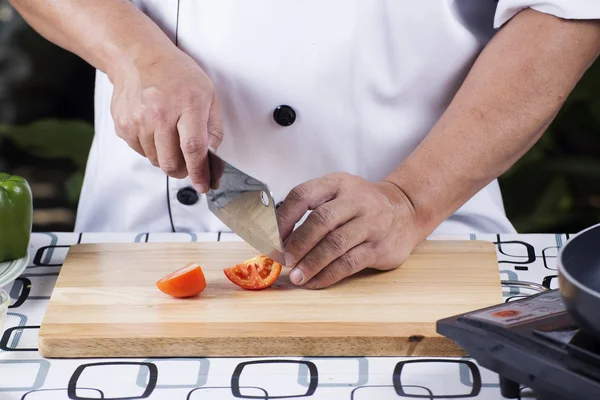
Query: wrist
{"x": 134, "y": 47}
{"x": 423, "y": 194}
{"x": 400, "y": 198}
{"x": 124, "y": 60}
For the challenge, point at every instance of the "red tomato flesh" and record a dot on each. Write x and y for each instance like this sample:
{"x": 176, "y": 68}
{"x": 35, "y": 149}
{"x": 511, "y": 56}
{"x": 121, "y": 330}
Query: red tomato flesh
{"x": 255, "y": 273}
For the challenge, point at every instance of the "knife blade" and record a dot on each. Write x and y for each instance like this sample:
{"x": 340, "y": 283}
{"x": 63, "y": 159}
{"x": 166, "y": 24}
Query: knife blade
{"x": 245, "y": 205}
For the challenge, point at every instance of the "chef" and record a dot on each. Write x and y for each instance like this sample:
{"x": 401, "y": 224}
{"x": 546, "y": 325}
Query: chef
{"x": 375, "y": 123}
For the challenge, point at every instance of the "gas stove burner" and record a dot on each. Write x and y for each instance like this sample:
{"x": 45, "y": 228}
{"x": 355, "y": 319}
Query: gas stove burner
{"x": 532, "y": 342}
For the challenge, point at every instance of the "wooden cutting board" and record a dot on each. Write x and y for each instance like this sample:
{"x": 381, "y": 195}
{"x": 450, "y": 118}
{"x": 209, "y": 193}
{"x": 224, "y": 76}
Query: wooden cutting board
{"x": 105, "y": 304}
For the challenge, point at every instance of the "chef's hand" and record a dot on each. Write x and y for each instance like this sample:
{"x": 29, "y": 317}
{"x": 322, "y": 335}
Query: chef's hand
{"x": 355, "y": 224}
{"x": 167, "y": 110}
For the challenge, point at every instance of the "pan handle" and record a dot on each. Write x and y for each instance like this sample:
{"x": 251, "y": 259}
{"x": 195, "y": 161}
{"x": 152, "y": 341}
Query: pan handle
{"x": 524, "y": 284}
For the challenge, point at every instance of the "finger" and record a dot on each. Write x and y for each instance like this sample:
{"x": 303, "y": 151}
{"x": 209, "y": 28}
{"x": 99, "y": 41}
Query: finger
{"x": 134, "y": 143}
{"x": 146, "y": 139}
{"x": 215, "y": 138}
{"x": 321, "y": 222}
{"x": 214, "y": 125}
{"x": 194, "y": 145}
{"x": 123, "y": 130}
{"x": 217, "y": 168}
{"x": 334, "y": 245}
{"x": 351, "y": 262}
{"x": 143, "y": 128}
{"x": 304, "y": 197}
{"x": 168, "y": 152}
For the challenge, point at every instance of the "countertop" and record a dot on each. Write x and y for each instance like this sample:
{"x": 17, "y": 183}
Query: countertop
{"x": 24, "y": 374}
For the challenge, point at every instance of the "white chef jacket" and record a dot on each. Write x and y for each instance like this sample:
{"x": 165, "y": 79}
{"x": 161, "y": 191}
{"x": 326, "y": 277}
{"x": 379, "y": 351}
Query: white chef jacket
{"x": 308, "y": 87}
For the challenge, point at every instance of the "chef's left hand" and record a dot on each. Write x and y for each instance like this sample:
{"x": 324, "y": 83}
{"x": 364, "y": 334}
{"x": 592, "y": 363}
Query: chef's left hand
{"x": 355, "y": 224}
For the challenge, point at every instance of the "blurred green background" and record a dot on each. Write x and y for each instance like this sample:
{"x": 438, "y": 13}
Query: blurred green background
{"x": 46, "y": 114}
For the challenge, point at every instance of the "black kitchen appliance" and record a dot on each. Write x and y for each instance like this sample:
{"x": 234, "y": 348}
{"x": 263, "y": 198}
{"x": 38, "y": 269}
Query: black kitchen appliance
{"x": 548, "y": 342}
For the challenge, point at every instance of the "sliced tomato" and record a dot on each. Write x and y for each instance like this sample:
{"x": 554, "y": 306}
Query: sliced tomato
{"x": 188, "y": 281}
{"x": 255, "y": 273}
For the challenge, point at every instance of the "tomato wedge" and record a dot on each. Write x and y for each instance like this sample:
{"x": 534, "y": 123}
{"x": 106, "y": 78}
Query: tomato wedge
{"x": 188, "y": 281}
{"x": 255, "y": 273}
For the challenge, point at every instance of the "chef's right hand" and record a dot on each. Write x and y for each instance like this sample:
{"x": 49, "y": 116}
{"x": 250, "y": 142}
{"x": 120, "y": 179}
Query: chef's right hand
{"x": 167, "y": 110}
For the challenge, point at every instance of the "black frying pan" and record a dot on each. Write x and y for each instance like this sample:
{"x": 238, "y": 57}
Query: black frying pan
{"x": 579, "y": 279}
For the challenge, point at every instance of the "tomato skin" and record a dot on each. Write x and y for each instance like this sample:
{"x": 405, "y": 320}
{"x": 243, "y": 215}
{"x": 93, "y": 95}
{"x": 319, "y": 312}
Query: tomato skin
{"x": 188, "y": 281}
{"x": 256, "y": 273}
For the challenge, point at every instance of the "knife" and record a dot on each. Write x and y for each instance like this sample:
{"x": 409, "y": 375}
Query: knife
{"x": 246, "y": 206}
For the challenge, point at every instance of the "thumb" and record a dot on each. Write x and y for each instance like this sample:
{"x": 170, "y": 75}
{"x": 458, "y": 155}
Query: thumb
{"x": 215, "y": 138}
{"x": 215, "y": 124}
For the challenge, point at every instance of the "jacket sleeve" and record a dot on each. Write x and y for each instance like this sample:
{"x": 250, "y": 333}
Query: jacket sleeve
{"x": 568, "y": 9}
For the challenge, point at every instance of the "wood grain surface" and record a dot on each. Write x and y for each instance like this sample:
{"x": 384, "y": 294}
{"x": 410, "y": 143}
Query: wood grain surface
{"x": 105, "y": 304}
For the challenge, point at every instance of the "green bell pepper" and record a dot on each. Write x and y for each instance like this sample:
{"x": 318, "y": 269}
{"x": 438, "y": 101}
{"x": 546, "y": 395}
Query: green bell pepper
{"x": 16, "y": 215}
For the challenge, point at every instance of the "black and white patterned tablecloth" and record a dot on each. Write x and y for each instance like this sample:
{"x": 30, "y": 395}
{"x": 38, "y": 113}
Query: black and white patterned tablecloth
{"x": 25, "y": 375}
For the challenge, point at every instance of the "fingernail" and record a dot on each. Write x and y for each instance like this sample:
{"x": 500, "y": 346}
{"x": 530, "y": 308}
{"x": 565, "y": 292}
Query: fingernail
{"x": 290, "y": 260}
{"x": 296, "y": 276}
{"x": 202, "y": 189}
